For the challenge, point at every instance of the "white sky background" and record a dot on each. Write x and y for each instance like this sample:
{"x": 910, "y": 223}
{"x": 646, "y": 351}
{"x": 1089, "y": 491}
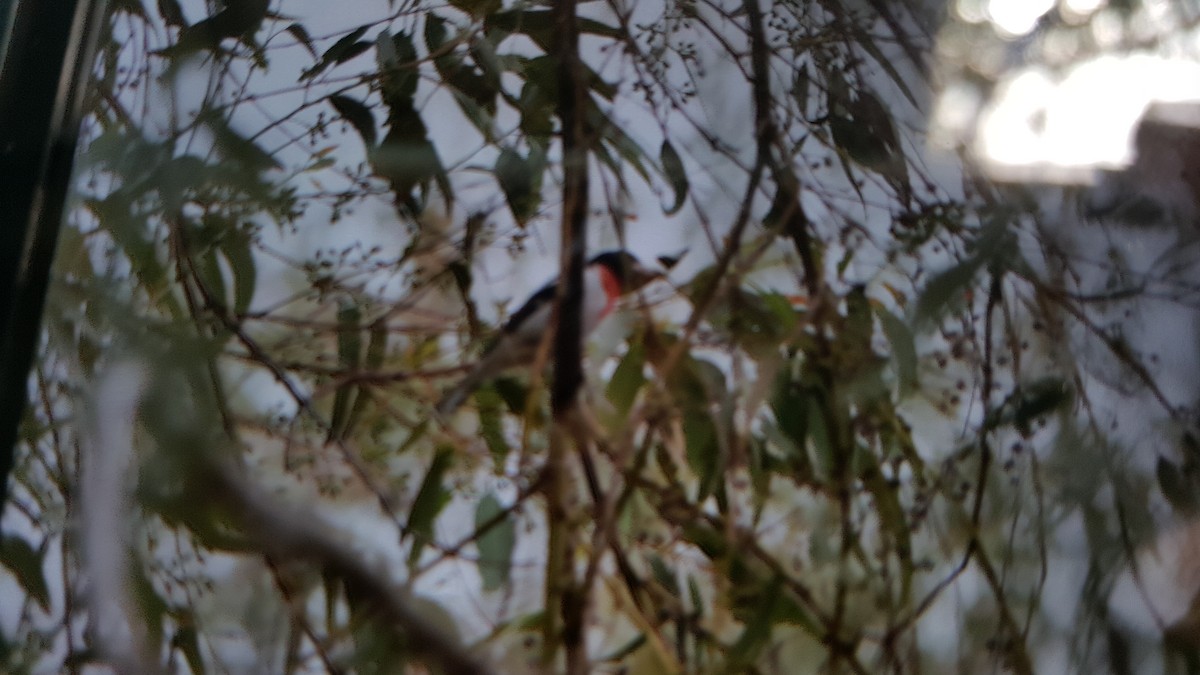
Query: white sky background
{"x": 1060, "y": 120}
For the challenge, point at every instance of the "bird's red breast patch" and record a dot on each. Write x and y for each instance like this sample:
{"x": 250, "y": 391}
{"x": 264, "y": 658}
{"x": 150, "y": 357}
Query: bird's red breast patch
{"x": 612, "y": 289}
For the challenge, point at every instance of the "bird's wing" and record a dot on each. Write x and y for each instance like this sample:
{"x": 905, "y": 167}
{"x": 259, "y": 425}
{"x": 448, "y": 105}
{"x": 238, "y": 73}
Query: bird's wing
{"x": 542, "y": 300}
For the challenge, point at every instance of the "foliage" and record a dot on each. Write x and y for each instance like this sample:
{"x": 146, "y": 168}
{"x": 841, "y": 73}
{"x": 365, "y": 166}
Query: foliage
{"x": 858, "y": 415}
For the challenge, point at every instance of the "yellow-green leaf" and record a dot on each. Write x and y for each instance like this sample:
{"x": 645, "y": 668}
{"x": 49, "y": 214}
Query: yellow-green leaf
{"x": 495, "y": 545}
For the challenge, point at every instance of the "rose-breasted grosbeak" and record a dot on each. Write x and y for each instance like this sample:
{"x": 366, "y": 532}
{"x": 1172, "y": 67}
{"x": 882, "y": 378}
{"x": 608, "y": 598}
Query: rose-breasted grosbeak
{"x": 606, "y": 278}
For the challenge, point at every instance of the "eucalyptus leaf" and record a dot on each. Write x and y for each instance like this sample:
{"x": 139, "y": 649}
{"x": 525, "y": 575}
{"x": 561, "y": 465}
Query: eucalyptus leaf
{"x": 892, "y": 519}
{"x": 25, "y": 563}
{"x": 358, "y": 115}
{"x": 520, "y": 178}
{"x": 299, "y": 32}
{"x": 491, "y": 424}
{"x": 343, "y": 50}
{"x": 495, "y": 545}
{"x": 235, "y": 246}
{"x": 431, "y": 498}
{"x": 673, "y": 169}
{"x": 1180, "y": 493}
{"x": 349, "y": 342}
{"x": 946, "y": 290}
{"x": 151, "y": 607}
{"x": 539, "y": 25}
{"x": 187, "y": 640}
{"x": 171, "y": 13}
{"x": 628, "y": 378}
{"x": 903, "y": 349}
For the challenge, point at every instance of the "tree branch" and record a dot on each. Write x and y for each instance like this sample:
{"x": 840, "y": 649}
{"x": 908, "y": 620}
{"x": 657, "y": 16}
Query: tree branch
{"x": 572, "y": 112}
{"x": 294, "y": 533}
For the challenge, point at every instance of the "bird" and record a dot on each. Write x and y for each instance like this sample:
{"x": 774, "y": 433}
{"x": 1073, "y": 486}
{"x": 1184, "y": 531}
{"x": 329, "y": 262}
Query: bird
{"x": 607, "y": 277}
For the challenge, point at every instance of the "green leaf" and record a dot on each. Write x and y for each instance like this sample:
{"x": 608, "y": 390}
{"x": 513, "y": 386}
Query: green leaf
{"x": 491, "y": 424}
{"x": 235, "y": 146}
{"x": 331, "y": 587}
{"x": 236, "y": 20}
{"x": 409, "y": 161}
{"x": 235, "y": 245}
{"x": 431, "y": 498}
{"x": 128, "y": 231}
{"x": 1040, "y": 398}
{"x": 349, "y": 335}
{"x": 614, "y": 135}
{"x": 695, "y": 595}
{"x": 211, "y": 276}
{"x": 187, "y": 640}
{"x": 757, "y": 633}
{"x": 1028, "y": 402}
{"x": 478, "y": 115}
{"x": 868, "y": 43}
{"x": 664, "y": 575}
{"x": 539, "y": 98}
{"x": 406, "y": 157}
{"x": 891, "y": 514}
{"x": 1179, "y": 492}
{"x": 25, "y": 563}
{"x": 946, "y": 290}
{"x": 349, "y": 341}
{"x": 514, "y": 393}
{"x": 1190, "y": 448}
{"x": 435, "y": 35}
{"x": 397, "y": 59}
{"x": 712, "y": 543}
{"x": 358, "y": 115}
{"x": 801, "y": 83}
{"x": 475, "y": 92}
{"x": 377, "y": 347}
{"x": 762, "y": 465}
{"x": 994, "y": 246}
{"x": 151, "y": 607}
{"x": 904, "y": 349}
{"x": 698, "y": 386}
{"x": 521, "y": 179}
{"x": 821, "y": 443}
{"x": 343, "y": 50}
{"x": 539, "y": 26}
{"x": 132, "y": 8}
{"x": 703, "y": 449}
{"x": 673, "y": 169}
{"x": 299, "y": 32}
{"x": 496, "y": 545}
{"x": 477, "y": 8}
{"x": 757, "y": 322}
{"x": 789, "y": 402}
{"x": 171, "y": 13}
{"x": 628, "y": 378}
{"x": 862, "y": 127}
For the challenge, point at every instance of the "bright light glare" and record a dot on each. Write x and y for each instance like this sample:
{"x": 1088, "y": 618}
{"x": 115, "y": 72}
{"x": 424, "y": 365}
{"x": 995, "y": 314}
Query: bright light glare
{"x": 1017, "y": 17}
{"x": 1087, "y": 118}
{"x": 1084, "y": 7}
{"x": 1009, "y": 133}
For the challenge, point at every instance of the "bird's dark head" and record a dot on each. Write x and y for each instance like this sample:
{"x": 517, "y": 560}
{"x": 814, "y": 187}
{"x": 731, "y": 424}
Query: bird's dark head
{"x": 627, "y": 269}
